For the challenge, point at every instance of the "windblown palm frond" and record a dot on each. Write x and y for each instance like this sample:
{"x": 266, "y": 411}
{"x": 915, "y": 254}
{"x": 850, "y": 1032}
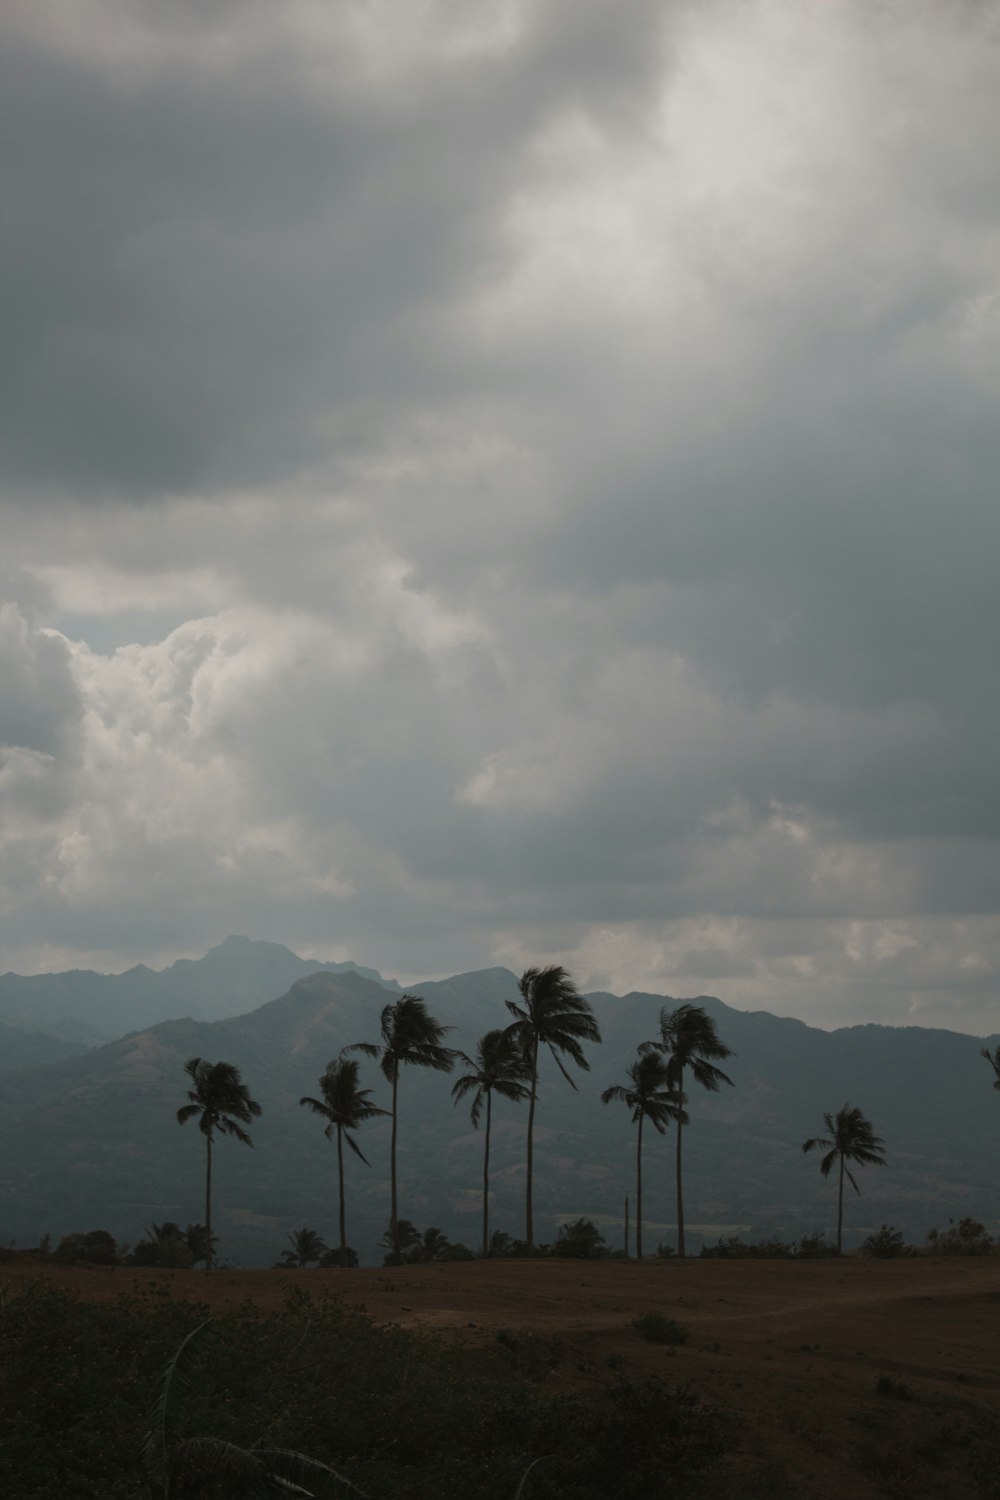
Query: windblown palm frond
{"x": 993, "y": 1058}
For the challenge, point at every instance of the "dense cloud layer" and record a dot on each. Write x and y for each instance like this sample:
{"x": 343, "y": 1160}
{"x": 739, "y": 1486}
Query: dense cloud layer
{"x": 508, "y": 483}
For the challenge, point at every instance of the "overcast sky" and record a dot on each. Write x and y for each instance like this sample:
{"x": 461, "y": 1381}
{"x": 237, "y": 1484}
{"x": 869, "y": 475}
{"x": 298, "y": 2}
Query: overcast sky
{"x": 508, "y": 481}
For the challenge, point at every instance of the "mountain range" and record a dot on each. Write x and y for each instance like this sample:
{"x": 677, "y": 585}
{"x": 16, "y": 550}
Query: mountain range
{"x": 91, "y": 1138}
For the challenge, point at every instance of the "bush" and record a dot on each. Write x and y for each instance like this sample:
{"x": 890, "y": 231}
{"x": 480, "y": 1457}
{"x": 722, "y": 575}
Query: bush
{"x": 333, "y": 1258}
{"x": 664, "y": 1251}
{"x": 97, "y": 1248}
{"x": 809, "y": 1247}
{"x": 886, "y": 1243}
{"x": 967, "y": 1237}
{"x": 660, "y": 1329}
{"x": 581, "y": 1240}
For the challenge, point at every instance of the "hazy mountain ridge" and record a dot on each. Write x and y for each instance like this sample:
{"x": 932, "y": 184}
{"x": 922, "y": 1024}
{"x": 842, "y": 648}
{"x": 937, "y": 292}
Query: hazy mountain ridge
{"x": 93, "y": 1139}
{"x": 84, "y": 1007}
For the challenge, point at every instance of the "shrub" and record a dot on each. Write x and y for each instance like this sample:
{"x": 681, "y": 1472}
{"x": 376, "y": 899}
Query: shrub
{"x": 967, "y": 1237}
{"x": 333, "y": 1258}
{"x": 664, "y": 1250}
{"x": 660, "y": 1329}
{"x": 581, "y": 1240}
{"x": 886, "y": 1243}
{"x": 97, "y": 1247}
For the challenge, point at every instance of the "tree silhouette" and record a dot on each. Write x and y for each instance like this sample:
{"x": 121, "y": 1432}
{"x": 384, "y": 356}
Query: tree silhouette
{"x": 410, "y": 1036}
{"x": 222, "y": 1101}
{"x": 688, "y": 1039}
{"x": 307, "y": 1246}
{"x": 552, "y": 1014}
{"x": 851, "y": 1138}
{"x": 345, "y": 1107}
{"x": 499, "y": 1067}
{"x": 649, "y": 1097}
{"x": 993, "y": 1058}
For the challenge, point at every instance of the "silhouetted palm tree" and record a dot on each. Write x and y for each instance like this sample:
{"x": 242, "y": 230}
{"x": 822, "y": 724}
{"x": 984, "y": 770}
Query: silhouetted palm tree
{"x": 851, "y": 1138}
{"x": 499, "y": 1067}
{"x": 993, "y": 1058}
{"x": 307, "y": 1246}
{"x": 405, "y": 1234}
{"x": 345, "y": 1107}
{"x": 688, "y": 1039}
{"x": 552, "y": 1014}
{"x": 410, "y": 1035}
{"x": 221, "y": 1099}
{"x": 649, "y": 1097}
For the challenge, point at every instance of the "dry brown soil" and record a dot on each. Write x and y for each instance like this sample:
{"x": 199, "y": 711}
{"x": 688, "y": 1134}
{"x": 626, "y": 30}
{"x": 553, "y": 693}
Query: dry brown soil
{"x": 794, "y": 1350}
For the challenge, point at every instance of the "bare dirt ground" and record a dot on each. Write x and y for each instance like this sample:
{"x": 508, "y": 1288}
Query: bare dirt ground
{"x": 795, "y": 1351}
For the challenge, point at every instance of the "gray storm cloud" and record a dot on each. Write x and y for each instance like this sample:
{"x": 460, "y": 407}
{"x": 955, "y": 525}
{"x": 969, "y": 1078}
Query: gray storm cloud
{"x": 512, "y": 484}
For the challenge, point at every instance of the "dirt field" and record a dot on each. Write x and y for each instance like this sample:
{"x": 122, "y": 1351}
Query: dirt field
{"x": 794, "y": 1350}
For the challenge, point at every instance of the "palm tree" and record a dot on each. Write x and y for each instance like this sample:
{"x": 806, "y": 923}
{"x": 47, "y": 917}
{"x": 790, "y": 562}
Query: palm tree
{"x": 221, "y": 1099}
{"x": 851, "y": 1138}
{"x": 345, "y": 1107}
{"x": 307, "y": 1246}
{"x": 553, "y": 1014}
{"x": 688, "y": 1039}
{"x": 649, "y": 1097}
{"x": 993, "y": 1058}
{"x": 409, "y": 1035}
{"x": 499, "y": 1066}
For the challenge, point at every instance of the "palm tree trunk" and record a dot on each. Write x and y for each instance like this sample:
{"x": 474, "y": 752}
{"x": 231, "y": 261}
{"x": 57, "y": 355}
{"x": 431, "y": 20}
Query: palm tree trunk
{"x": 840, "y": 1205}
{"x": 529, "y": 1220}
{"x": 208, "y": 1202}
{"x": 680, "y": 1186}
{"x": 343, "y": 1216}
{"x": 393, "y": 1218}
{"x": 638, "y": 1194}
{"x": 486, "y": 1177}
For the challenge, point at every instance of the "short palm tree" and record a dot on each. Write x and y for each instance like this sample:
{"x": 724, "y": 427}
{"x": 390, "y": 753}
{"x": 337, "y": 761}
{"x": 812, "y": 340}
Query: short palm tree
{"x": 222, "y": 1102}
{"x": 993, "y": 1058}
{"x": 345, "y": 1107}
{"x": 307, "y": 1246}
{"x": 851, "y": 1138}
{"x": 410, "y": 1035}
{"x": 499, "y": 1067}
{"x": 649, "y": 1096}
{"x": 688, "y": 1039}
{"x": 552, "y": 1014}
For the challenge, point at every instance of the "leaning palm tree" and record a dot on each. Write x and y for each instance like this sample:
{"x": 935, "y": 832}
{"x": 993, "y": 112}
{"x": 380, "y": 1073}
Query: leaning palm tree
{"x": 851, "y": 1138}
{"x": 345, "y": 1107}
{"x": 552, "y": 1014}
{"x": 410, "y": 1035}
{"x": 993, "y": 1058}
{"x": 688, "y": 1039}
{"x": 222, "y": 1101}
{"x": 649, "y": 1096}
{"x": 499, "y": 1067}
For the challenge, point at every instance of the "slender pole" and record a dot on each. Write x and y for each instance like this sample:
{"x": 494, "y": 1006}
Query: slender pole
{"x": 393, "y": 1219}
{"x": 529, "y": 1221}
{"x": 626, "y": 1226}
{"x": 840, "y": 1205}
{"x": 208, "y": 1200}
{"x": 343, "y": 1216}
{"x": 486, "y": 1177}
{"x": 638, "y": 1193}
{"x": 680, "y": 1188}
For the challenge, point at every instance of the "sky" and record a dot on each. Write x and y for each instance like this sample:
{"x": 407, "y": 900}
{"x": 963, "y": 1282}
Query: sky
{"x": 507, "y": 482}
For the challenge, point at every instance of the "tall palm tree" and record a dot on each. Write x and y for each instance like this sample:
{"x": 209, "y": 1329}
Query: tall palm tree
{"x": 499, "y": 1067}
{"x": 851, "y": 1138}
{"x": 410, "y": 1035}
{"x": 649, "y": 1096}
{"x": 552, "y": 1014}
{"x": 688, "y": 1039}
{"x": 222, "y": 1101}
{"x": 345, "y": 1107}
{"x": 993, "y": 1058}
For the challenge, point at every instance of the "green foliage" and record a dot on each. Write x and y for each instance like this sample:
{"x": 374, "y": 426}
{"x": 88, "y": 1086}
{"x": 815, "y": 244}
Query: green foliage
{"x": 886, "y": 1243}
{"x": 967, "y": 1237}
{"x": 809, "y": 1247}
{"x": 306, "y": 1247}
{"x": 581, "y": 1240}
{"x": 664, "y": 1250}
{"x": 660, "y": 1329}
{"x": 401, "y": 1418}
{"x": 334, "y": 1258}
{"x": 97, "y": 1247}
